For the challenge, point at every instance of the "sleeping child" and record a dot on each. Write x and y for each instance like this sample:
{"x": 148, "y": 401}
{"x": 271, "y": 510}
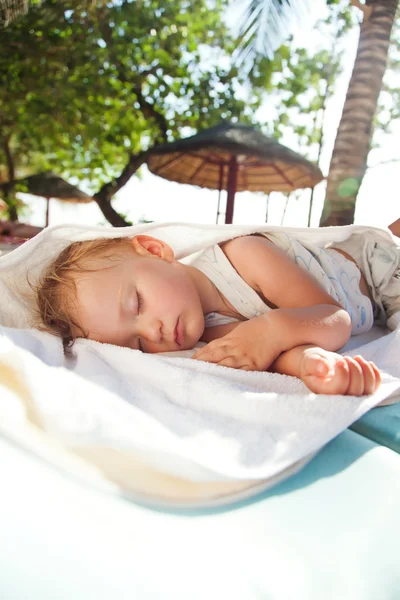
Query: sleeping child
{"x": 259, "y": 302}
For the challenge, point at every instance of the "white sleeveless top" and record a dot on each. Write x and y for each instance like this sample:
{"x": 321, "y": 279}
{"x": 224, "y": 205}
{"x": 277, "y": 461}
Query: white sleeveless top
{"x": 339, "y": 276}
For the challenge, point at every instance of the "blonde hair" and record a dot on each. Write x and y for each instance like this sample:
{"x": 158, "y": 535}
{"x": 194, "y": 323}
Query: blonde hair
{"x": 56, "y": 291}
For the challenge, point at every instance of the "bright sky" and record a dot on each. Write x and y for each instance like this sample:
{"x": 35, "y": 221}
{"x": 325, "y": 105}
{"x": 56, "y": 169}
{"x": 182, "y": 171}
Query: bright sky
{"x": 156, "y": 199}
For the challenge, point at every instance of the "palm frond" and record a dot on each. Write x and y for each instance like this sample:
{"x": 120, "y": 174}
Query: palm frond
{"x": 263, "y": 25}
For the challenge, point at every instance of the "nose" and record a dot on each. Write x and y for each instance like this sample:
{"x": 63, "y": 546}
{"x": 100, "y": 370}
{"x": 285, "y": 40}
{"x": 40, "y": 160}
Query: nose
{"x": 150, "y": 329}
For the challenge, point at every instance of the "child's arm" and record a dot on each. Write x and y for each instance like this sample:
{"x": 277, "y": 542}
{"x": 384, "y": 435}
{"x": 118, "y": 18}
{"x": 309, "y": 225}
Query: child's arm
{"x": 284, "y": 285}
{"x": 322, "y": 371}
{"x": 274, "y": 275}
{"x": 255, "y": 344}
{"x": 304, "y": 312}
{"x": 327, "y": 372}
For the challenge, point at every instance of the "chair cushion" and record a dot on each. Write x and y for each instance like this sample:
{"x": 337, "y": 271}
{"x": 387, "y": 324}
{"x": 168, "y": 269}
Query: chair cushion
{"x": 382, "y": 425}
{"x": 331, "y": 531}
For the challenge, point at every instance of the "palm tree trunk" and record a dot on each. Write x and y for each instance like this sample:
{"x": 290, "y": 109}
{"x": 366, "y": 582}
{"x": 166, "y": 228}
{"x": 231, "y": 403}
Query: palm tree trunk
{"x": 11, "y": 9}
{"x": 349, "y": 158}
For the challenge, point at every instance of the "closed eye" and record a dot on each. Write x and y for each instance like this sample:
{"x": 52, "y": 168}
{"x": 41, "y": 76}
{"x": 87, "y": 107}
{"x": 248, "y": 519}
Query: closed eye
{"x": 139, "y": 301}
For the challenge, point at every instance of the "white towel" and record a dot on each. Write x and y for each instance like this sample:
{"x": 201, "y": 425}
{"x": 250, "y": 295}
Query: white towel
{"x": 20, "y": 269}
{"x": 195, "y": 421}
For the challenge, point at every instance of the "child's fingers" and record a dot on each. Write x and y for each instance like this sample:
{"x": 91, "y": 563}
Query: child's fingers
{"x": 356, "y": 378}
{"x": 370, "y": 382}
{"x": 234, "y": 362}
{"x": 222, "y": 354}
{"x": 211, "y": 353}
{"x": 377, "y": 372}
{"x": 202, "y": 352}
{"x": 365, "y": 378}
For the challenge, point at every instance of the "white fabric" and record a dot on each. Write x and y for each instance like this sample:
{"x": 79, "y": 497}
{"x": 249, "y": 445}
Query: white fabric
{"x": 339, "y": 276}
{"x": 336, "y": 274}
{"x": 20, "y": 269}
{"x": 380, "y": 264}
{"x": 191, "y": 419}
{"x": 215, "y": 265}
{"x": 188, "y": 418}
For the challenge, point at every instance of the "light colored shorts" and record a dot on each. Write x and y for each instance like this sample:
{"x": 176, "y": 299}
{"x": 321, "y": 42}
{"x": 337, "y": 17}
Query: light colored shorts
{"x": 380, "y": 265}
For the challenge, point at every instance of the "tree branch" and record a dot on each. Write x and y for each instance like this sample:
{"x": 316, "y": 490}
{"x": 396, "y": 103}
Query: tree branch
{"x": 9, "y": 159}
{"x": 112, "y": 187}
{"x": 9, "y": 185}
{"x": 367, "y": 10}
{"x": 147, "y": 108}
{"x": 104, "y": 195}
{"x": 150, "y": 112}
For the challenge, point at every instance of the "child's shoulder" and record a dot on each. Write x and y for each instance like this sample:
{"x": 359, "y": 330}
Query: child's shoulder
{"x": 246, "y": 244}
{"x": 248, "y": 254}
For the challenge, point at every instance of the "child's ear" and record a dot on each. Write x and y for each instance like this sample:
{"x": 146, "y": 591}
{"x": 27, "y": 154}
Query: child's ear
{"x": 145, "y": 245}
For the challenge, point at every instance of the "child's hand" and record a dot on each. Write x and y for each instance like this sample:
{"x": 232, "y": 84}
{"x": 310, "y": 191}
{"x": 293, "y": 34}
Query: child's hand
{"x": 326, "y": 372}
{"x": 247, "y": 347}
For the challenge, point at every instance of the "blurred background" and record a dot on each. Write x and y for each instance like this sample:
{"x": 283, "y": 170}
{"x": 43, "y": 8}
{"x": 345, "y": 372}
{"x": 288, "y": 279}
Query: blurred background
{"x": 90, "y": 89}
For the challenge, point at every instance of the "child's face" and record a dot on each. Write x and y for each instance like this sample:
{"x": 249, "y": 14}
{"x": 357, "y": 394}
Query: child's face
{"x": 145, "y": 300}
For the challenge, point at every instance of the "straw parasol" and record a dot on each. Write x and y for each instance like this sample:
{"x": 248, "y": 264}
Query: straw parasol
{"x": 49, "y": 185}
{"x": 235, "y": 158}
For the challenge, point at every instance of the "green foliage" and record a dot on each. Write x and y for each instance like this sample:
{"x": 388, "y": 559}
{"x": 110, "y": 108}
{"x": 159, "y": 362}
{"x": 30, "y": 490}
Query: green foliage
{"x": 303, "y": 80}
{"x": 300, "y": 81}
{"x": 86, "y": 85}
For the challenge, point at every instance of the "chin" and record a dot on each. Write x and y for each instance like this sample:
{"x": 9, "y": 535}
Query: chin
{"x": 187, "y": 346}
{"x": 194, "y": 338}
{"x": 188, "y": 343}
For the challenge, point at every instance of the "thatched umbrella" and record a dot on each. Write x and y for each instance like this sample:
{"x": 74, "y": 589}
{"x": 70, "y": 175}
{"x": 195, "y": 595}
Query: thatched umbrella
{"x": 235, "y": 158}
{"x": 48, "y": 185}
